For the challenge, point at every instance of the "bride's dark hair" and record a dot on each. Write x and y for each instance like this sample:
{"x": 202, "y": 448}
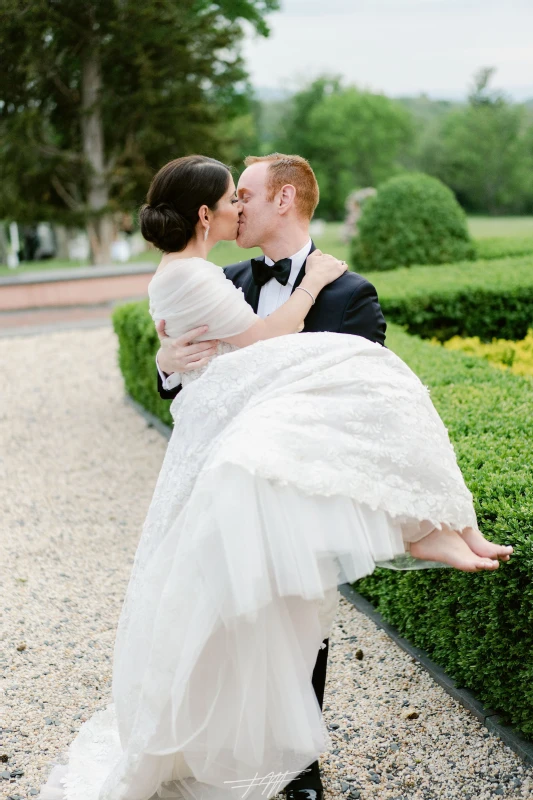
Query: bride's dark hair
{"x": 170, "y": 214}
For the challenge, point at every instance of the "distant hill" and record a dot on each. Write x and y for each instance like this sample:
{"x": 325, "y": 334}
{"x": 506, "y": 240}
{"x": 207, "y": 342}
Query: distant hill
{"x": 449, "y": 99}
{"x": 269, "y": 94}
{"x": 273, "y": 105}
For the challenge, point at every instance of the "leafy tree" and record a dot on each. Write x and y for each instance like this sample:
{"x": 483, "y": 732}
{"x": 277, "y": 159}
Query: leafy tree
{"x": 294, "y": 135}
{"x": 96, "y": 94}
{"x": 481, "y": 94}
{"x": 241, "y": 133}
{"x": 353, "y": 138}
{"x": 483, "y": 151}
{"x": 270, "y": 120}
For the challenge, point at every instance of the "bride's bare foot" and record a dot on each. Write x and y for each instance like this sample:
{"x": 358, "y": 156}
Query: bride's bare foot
{"x": 449, "y": 547}
{"x": 482, "y": 547}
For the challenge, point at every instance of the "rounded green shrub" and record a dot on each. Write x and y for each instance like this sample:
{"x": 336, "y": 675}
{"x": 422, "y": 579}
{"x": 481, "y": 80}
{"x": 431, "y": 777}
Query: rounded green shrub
{"x": 413, "y": 219}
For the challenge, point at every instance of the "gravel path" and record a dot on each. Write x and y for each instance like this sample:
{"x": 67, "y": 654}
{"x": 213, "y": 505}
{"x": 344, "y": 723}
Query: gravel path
{"x": 77, "y": 471}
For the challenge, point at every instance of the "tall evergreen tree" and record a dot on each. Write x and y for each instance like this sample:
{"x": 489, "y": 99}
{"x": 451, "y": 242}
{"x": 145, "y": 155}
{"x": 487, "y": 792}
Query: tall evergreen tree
{"x": 96, "y": 94}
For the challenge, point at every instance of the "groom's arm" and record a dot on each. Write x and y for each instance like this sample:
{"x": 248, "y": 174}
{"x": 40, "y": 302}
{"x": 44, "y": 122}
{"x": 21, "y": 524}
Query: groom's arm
{"x": 166, "y": 383}
{"x": 363, "y": 315}
{"x": 180, "y": 355}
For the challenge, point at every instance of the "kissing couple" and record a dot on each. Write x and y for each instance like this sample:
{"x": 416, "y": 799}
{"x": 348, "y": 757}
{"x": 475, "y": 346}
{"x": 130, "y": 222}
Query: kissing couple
{"x": 296, "y": 463}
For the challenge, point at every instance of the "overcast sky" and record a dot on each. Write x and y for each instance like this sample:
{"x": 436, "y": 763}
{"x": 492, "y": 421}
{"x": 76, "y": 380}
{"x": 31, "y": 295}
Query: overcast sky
{"x": 397, "y": 46}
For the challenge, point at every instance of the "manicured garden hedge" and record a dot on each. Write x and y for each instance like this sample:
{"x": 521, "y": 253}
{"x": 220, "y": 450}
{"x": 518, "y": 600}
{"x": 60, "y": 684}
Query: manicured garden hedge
{"x": 516, "y": 356}
{"x": 138, "y": 344}
{"x": 502, "y": 246}
{"x": 485, "y": 298}
{"x": 478, "y": 627}
{"x": 413, "y": 219}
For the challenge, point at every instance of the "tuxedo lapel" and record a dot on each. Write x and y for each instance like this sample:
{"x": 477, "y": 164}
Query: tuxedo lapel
{"x": 251, "y": 290}
{"x": 301, "y": 274}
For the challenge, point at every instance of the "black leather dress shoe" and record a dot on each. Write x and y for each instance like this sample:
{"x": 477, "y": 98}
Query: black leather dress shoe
{"x": 304, "y": 794}
{"x": 307, "y": 786}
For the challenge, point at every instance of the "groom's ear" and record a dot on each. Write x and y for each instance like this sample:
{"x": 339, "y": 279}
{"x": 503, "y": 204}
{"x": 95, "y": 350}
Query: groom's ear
{"x": 286, "y": 198}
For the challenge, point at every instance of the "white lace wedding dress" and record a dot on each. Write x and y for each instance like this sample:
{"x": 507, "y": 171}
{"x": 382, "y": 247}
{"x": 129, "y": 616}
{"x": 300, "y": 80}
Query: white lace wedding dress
{"x": 295, "y": 465}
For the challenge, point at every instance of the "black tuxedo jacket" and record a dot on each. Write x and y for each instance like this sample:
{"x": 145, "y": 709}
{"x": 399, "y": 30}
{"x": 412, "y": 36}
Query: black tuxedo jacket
{"x": 348, "y": 305}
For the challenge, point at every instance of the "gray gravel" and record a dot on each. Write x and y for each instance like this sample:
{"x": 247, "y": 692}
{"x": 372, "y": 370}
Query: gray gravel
{"x": 77, "y": 474}
{"x": 400, "y": 735}
{"x": 78, "y": 466}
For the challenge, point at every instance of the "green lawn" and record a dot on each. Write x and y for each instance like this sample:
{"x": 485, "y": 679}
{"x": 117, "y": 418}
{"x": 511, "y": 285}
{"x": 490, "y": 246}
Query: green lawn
{"x": 330, "y": 242}
{"x": 489, "y": 227}
{"x": 32, "y": 266}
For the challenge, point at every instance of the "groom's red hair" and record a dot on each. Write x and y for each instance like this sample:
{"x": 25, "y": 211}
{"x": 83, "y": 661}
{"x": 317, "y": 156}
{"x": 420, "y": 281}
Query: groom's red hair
{"x": 295, "y": 170}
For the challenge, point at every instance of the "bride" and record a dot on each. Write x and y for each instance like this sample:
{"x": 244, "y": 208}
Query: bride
{"x": 258, "y": 513}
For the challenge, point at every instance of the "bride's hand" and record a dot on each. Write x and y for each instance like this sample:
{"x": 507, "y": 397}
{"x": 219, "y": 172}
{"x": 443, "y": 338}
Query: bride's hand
{"x": 324, "y": 268}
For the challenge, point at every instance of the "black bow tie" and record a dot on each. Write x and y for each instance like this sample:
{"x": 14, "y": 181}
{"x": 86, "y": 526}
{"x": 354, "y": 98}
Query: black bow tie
{"x": 262, "y": 272}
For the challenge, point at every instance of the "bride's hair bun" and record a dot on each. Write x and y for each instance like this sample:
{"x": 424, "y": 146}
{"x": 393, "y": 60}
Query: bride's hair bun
{"x": 165, "y": 227}
{"x": 169, "y": 217}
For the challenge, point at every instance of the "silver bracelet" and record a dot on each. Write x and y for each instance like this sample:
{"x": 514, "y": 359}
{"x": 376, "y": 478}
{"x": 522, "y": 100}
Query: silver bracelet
{"x": 306, "y": 290}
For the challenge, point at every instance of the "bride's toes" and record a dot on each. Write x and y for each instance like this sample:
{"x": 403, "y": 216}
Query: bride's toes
{"x": 488, "y": 563}
{"x": 483, "y": 548}
{"x": 448, "y": 547}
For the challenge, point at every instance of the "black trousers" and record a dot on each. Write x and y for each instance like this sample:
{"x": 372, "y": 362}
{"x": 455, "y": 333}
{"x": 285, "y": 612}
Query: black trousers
{"x": 319, "y": 672}
{"x": 312, "y": 773}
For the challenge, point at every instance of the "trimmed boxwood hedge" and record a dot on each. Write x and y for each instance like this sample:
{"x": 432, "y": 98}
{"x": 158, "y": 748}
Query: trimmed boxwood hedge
{"x": 413, "y": 219}
{"x": 138, "y": 344}
{"x": 478, "y": 627}
{"x": 502, "y": 246}
{"x": 485, "y": 249}
{"x": 503, "y": 353}
{"x": 486, "y": 298}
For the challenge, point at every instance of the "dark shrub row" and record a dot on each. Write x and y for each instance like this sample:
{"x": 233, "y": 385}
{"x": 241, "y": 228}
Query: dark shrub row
{"x": 492, "y": 298}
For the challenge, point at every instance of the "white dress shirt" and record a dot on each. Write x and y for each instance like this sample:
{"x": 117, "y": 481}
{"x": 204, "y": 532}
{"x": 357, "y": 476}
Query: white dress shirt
{"x": 273, "y": 294}
{"x": 271, "y": 297}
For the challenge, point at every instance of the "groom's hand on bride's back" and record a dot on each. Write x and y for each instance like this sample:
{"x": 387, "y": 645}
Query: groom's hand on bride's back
{"x": 183, "y": 354}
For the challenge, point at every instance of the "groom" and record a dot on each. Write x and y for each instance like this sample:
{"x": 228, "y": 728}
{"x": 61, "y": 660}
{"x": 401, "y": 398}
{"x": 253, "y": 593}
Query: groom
{"x": 279, "y": 194}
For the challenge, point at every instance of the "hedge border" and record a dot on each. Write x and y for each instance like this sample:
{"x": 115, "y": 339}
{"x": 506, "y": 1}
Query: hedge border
{"x": 489, "y": 299}
{"x": 496, "y": 247}
{"x": 487, "y": 716}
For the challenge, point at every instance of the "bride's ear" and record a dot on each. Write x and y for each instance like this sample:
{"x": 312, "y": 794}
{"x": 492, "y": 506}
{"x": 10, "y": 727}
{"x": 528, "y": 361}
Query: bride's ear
{"x": 203, "y": 216}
